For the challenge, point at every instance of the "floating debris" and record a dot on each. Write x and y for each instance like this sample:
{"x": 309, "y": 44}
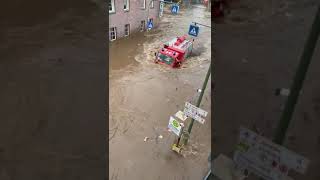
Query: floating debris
{"x": 146, "y": 139}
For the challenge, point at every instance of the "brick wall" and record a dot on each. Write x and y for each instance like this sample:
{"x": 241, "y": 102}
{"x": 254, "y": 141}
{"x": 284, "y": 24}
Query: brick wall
{"x": 134, "y": 16}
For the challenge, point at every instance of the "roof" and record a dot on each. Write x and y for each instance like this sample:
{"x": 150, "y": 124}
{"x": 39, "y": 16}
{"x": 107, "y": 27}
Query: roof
{"x": 179, "y": 44}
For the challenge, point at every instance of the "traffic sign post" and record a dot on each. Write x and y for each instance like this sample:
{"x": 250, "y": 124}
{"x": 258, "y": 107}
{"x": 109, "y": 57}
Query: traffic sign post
{"x": 161, "y": 8}
{"x": 193, "y": 30}
{"x": 175, "y": 8}
{"x": 150, "y": 24}
{"x": 200, "y": 98}
{"x": 177, "y": 128}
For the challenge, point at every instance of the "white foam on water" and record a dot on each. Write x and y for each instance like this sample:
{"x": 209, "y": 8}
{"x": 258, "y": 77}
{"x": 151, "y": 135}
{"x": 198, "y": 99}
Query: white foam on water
{"x": 172, "y": 26}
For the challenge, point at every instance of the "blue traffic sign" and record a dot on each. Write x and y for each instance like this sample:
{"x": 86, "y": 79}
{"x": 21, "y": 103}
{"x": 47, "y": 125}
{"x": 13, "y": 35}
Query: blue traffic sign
{"x": 175, "y": 9}
{"x": 150, "y": 24}
{"x": 193, "y": 30}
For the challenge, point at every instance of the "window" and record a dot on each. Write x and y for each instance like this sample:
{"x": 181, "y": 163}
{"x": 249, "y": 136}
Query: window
{"x": 143, "y": 4}
{"x": 126, "y": 5}
{"x": 166, "y": 59}
{"x": 152, "y": 4}
{"x": 111, "y": 6}
{"x": 142, "y": 26}
{"x": 126, "y": 30}
{"x": 113, "y": 33}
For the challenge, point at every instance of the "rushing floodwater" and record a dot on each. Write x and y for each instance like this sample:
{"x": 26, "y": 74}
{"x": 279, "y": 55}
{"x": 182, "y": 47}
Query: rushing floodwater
{"x": 143, "y": 95}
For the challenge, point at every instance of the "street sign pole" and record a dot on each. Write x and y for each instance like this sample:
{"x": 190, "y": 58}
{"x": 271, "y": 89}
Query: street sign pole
{"x": 200, "y": 98}
{"x": 195, "y": 23}
{"x": 149, "y": 4}
{"x": 194, "y": 29}
{"x": 298, "y": 80}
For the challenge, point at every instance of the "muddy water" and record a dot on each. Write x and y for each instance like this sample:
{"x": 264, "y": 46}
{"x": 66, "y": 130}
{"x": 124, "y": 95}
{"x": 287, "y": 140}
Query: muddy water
{"x": 143, "y": 95}
{"x": 123, "y": 51}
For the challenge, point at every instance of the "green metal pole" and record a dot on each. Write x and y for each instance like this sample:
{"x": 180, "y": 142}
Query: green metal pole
{"x": 298, "y": 80}
{"x": 200, "y": 97}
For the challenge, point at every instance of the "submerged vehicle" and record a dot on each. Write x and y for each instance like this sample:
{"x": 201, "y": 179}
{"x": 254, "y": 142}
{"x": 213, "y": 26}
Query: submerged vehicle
{"x": 174, "y": 52}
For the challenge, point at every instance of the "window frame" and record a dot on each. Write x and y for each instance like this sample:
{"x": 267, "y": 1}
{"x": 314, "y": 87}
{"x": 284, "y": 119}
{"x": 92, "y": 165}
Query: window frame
{"x": 166, "y": 59}
{"x": 115, "y": 34}
{"x": 127, "y": 30}
{"x": 152, "y": 4}
{"x": 142, "y": 26}
{"x": 144, "y": 4}
{"x": 113, "y": 6}
{"x": 128, "y": 5}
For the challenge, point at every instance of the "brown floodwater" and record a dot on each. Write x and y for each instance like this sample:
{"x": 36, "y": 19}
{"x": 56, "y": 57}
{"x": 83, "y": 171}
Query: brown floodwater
{"x": 143, "y": 95}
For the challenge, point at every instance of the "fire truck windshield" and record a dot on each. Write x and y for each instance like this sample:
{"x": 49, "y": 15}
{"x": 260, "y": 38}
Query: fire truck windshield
{"x": 166, "y": 59}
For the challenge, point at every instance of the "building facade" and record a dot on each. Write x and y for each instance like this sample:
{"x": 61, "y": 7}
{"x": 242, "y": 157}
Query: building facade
{"x": 130, "y": 16}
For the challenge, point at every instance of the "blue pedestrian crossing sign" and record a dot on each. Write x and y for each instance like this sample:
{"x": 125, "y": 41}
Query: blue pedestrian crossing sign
{"x": 150, "y": 24}
{"x": 175, "y": 9}
{"x": 193, "y": 30}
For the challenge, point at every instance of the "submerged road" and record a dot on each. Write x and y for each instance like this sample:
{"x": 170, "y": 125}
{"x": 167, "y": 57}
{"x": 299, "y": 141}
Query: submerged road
{"x": 143, "y": 95}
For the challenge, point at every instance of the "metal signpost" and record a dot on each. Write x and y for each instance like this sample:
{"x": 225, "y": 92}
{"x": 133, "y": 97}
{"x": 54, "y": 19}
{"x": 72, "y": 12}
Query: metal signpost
{"x": 161, "y": 8}
{"x": 150, "y": 24}
{"x": 200, "y": 97}
{"x": 175, "y": 8}
{"x": 204, "y": 85}
{"x": 162, "y": 2}
{"x": 266, "y": 159}
{"x": 193, "y": 30}
{"x": 189, "y": 111}
{"x": 177, "y": 128}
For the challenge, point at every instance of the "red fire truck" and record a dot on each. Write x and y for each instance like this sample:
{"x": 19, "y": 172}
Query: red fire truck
{"x": 174, "y": 52}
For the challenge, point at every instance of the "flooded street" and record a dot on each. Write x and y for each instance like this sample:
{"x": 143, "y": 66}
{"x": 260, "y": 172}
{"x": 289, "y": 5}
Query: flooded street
{"x": 143, "y": 95}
